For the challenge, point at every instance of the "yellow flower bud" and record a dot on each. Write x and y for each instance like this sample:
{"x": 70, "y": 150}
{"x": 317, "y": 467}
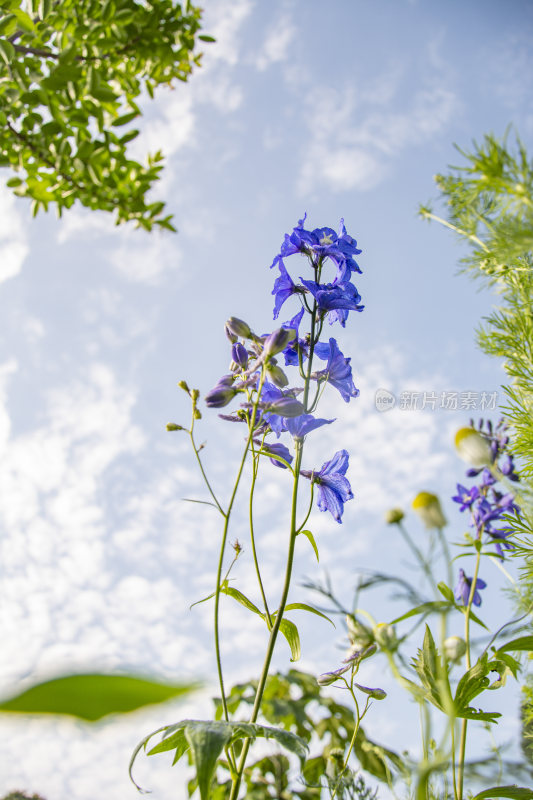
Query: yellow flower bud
{"x": 428, "y": 508}
{"x": 393, "y": 516}
{"x": 473, "y": 447}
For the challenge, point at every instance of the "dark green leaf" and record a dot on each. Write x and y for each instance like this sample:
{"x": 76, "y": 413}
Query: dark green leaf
{"x": 522, "y": 643}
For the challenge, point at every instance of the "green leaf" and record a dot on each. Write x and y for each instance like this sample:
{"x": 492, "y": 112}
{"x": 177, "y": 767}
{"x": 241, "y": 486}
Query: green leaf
{"x": 24, "y": 21}
{"x": 446, "y": 592}
{"x": 514, "y": 792}
{"x": 208, "y": 739}
{"x": 305, "y": 607}
{"x": 44, "y": 8}
{"x": 290, "y": 632}
{"x": 471, "y": 684}
{"x": 522, "y": 643}
{"x": 7, "y": 51}
{"x": 312, "y": 540}
{"x": 124, "y": 119}
{"x": 204, "y": 38}
{"x": 242, "y": 599}
{"x": 433, "y": 674}
{"x": 92, "y": 696}
{"x": 434, "y": 605}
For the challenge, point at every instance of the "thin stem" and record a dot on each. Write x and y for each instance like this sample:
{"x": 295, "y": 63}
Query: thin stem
{"x": 275, "y": 628}
{"x": 223, "y": 546}
{"x": 202, "y": 470}
{"x": 255, "y": 470}
{"x": 462, "y": 744}
{"x": 460, "y": 231}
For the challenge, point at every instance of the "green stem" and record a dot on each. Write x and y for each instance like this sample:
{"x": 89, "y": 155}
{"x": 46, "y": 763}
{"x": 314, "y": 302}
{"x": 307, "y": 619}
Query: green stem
{"x": 252, "y": 538}
{"x": 223, "y": 547}
{"x": 462, "y": 743}
{"x": 460, "y": 231}
{"x": 418, "y": 553}
{"x": 275, "y": 628}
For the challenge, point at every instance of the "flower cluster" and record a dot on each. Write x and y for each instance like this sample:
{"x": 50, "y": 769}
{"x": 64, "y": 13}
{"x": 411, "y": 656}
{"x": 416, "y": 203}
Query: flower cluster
{"x": 485, "y": 448}
{"x": 269, "y": 405}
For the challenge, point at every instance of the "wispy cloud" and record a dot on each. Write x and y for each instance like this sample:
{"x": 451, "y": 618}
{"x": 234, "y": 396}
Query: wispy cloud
{"x": 277, "y": 42}
{"x": 352, "y": 144}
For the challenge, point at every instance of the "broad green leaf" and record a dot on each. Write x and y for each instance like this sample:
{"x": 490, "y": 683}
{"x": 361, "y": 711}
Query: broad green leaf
{"x": 124, "y": 119}
{"x": 514, "y": 792}
{"x": 522, "y": 643}
{"x": 24, "y": 21}
{"x": 92, "y": 696}
{"x": 435, "y": 605}
{"x": 207, "y": 740}
{"x": 7, "y": 51}
{"x": 312, "y": 540}
{"x": 471, "y": 684}
{"x": 305, "y": 607}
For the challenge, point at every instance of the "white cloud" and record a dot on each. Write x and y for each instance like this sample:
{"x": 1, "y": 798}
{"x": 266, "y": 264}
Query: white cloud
{"x": 277, "y": 43}
{"x": 351, "y": 143}
{"x": 13, "y": 238}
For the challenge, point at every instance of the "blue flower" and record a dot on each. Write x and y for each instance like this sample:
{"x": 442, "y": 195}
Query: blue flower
{"x": 465, "y": 497}
{"x": 278, "y": 449}
{"x": 222, "y": 393}
{"x": 333, "y": 487}
{"x": 300, "y": 426}
{"x": 283, "y": 288}
{"x": 322, "y": 243}
{"x": 330, "y": 297}
{"x": 462, "y": 590}
{"x": 338, "y": 371}
{"x": 291, "y": 351}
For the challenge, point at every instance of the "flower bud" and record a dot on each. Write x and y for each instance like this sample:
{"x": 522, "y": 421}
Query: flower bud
{"x": 277, "y": 376}
{"x": 231, "y": 336}
{"x": 473, "y": 447}
{"x": 183, "y": 385}
{"x": 360, "y": 636}
{"x": 278, "y": 341}
{"x": 385, "y": 636}
{"x": 428, "y": 508}
{"x": 377, "y": 694}
{"x": 393, "y": 516}
{"x": 454, "y": 648}
{"x": 220, "y": 395}
{"x": 286, "y": 407}
{"x": 239, "y": 355}
{"x": 238, "y": 328}
{"x": 328, "y": 678}
{"x": 171, "y": 426}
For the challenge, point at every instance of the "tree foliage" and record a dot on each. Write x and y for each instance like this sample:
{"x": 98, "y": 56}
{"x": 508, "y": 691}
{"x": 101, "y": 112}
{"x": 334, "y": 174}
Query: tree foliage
{"x": 71, "y": 73}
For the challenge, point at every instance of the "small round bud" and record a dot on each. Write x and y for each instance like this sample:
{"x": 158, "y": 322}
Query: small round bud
{"x": 238, "y": 328}
{"x": 473, "y": 447}
{"x": 195, "y": 394}
{"x": 183, "y": 385}
{"x": 393, "y": 516}
{"x": 454, "y": 648}
{"x": 428, "y": 508}
{"x": 171, "y": 426}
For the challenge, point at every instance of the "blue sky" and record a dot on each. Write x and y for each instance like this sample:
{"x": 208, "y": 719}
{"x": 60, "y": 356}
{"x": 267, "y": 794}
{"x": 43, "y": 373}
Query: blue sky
{"x": 345, "y": 109}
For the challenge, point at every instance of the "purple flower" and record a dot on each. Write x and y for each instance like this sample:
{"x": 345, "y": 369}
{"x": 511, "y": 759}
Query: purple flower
{"x": 338, "y": 371}
{"x": 333, "y": 487}
{"x": 291, "y": 351}
{"x": 462, "y": 590}
{"x": 239, "y": 354}
{"x": 283, "y": 288}
{"x": 222, "y": 393}
{"x": 465, "y": 496}
{"x": 337, "y": 299}
{"x": 277, "y": 449}
{"x": 300, "y": 426}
